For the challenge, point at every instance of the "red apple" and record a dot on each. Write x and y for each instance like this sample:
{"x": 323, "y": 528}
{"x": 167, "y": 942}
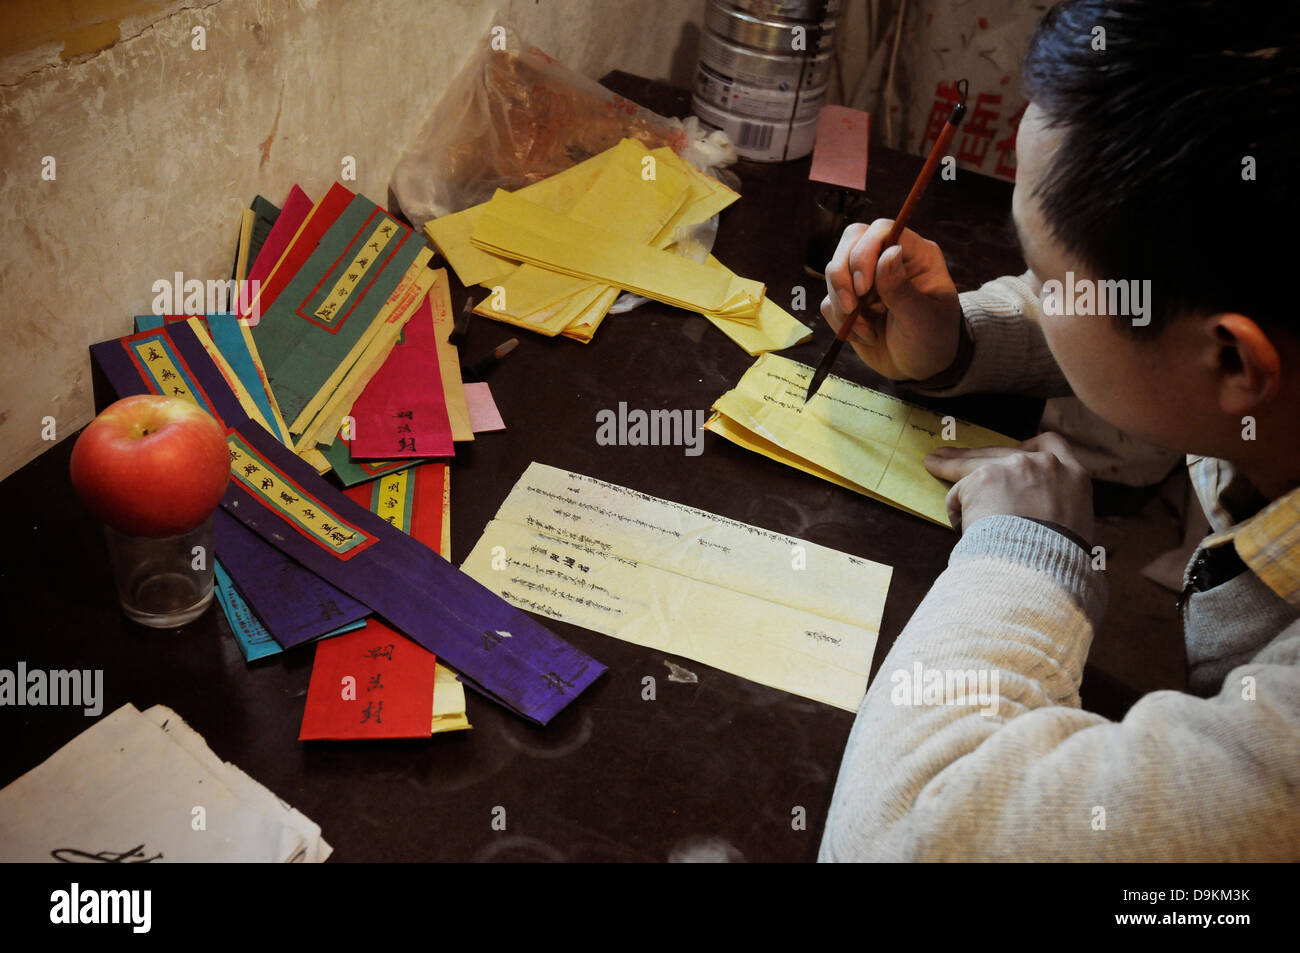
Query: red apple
{"x": 151, "y": 466}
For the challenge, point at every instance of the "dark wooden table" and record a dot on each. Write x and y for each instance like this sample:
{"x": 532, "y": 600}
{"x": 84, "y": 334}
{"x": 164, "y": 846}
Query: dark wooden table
{"x": 718, "y": 766}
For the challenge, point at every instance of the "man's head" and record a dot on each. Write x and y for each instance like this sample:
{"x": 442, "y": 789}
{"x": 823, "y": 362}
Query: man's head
{"x": 1158, "y": 148}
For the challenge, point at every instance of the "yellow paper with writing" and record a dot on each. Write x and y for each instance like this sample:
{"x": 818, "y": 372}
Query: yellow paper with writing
{"x": 687, "y": 582}
{"x": 851, "y": 435}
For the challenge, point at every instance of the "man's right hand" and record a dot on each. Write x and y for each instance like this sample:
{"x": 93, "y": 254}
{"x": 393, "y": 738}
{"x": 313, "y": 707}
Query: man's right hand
{"x": 918, "y": 335}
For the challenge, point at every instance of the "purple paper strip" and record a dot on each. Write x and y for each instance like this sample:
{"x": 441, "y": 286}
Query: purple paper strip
{"x": 294, "y": 604}
{"x": 499, "y": 650}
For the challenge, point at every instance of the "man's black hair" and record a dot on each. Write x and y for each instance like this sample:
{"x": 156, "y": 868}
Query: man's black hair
{"x": 1147, "y": 180}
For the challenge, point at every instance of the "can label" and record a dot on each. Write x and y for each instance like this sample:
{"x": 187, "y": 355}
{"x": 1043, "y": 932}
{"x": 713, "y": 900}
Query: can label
{"x": 757, "y": 102}
{"x": 759, "y": 139}
{"x": 763, "y": 69}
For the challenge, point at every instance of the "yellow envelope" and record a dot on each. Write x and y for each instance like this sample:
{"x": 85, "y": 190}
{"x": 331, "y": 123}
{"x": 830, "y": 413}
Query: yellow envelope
{"x": 851, "y": 435}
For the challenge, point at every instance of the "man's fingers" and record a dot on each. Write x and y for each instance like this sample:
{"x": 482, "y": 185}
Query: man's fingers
{"x": 953, "y": 504}
{"x": 953, "y": 463}
{"x": 1054, "y": 444}
{"x": 865, "y": 253}
{"x": 839, "y": 277}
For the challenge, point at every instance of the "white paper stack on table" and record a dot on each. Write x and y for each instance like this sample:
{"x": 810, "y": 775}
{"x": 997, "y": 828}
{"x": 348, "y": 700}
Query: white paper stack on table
{"x": 147, "y": 785}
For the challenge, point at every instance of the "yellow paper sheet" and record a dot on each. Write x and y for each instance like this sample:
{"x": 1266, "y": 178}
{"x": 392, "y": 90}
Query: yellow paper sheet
{"x": 449, "y": 359}
{"x": 708, "y": 196}
{"x": 448, "y": 692}
{"x": 849, "y": 434}
{"x": 621, "y": 200}
{"x": 246, "y": 221}
{"x": 530, "y": 233}
{"x": 584, "y": 326}
{"x": 761, "y": 605}
{"x": 448, "y": 701}
{"x": 473, "y": 266}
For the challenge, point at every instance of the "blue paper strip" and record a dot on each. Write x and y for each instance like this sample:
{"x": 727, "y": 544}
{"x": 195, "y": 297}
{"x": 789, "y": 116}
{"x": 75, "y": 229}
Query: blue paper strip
{"x": 252, "y": 637}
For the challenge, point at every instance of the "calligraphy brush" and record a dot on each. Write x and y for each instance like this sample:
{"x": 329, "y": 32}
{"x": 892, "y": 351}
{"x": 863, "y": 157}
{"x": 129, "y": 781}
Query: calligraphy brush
{"x": 913, "y": 197}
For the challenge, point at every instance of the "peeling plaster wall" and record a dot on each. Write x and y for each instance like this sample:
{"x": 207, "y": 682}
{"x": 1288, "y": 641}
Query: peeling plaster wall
{"x": 158, "y": 147}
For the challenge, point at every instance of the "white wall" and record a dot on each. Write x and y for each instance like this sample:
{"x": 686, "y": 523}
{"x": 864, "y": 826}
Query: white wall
{"x": 158, "y": 147}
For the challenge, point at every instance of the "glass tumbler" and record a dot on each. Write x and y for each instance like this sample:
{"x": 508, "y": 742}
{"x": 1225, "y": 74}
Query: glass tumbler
{"x": 163, "y": 582}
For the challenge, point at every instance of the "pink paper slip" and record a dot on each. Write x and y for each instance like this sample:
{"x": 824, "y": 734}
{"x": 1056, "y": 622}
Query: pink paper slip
{"x": 371, "y": 683}
{"x": 403, "y": 410}
{"x": 840, "y": 155}
{"x": 483, "y": 413}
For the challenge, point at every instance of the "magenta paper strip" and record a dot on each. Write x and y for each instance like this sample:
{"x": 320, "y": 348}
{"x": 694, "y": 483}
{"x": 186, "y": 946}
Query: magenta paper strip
{"x": 403, "y": 410}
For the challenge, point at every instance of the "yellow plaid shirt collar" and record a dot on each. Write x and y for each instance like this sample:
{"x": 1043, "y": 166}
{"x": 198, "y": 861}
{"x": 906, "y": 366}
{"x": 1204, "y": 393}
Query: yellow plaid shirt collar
{"x": 1268, "y": 541}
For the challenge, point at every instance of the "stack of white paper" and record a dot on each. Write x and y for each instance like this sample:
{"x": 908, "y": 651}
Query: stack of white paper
{"x": 146, "y": 787}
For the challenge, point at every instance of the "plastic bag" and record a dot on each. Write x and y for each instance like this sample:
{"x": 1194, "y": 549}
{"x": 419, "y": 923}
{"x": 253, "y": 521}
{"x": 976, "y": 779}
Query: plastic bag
{"x": 511, "y": 117}
{"x": 514, "y": 116}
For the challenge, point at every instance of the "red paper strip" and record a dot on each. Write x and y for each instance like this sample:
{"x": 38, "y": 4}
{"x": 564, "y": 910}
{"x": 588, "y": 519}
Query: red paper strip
{"x": 403, "y": 410}
{"x": 329, "y": 209}
{"x": 371, "y": 683}
{"x": 296, "y": 209}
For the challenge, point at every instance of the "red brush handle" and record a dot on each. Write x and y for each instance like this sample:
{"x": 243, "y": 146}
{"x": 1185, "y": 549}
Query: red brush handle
{"x": 905, "y": 213}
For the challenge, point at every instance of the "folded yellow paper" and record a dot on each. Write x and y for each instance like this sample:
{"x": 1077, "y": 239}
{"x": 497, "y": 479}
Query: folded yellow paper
{"x": 620, "y": 200}
{"x": 559, "y": 192}
{"x": 522, "y": 230}
{"x": 448, "y": 701}
{"x": 851, "y": 435}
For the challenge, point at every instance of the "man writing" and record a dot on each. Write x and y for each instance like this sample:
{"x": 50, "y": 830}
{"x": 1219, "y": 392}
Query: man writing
{"x": 1165, "y": 158}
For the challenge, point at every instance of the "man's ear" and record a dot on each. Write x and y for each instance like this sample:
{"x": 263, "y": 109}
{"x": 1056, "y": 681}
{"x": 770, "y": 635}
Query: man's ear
{"x": 1248, "y": 365}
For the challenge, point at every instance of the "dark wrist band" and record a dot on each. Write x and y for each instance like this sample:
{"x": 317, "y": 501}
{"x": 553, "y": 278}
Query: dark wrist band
{"x": 959, "y": 366}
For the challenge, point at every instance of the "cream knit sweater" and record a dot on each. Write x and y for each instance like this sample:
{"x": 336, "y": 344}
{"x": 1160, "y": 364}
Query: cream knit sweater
{"x": 1010, "y": 768}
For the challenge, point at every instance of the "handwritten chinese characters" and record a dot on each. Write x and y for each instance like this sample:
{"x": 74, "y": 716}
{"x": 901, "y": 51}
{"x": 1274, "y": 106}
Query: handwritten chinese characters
{"x": 285, "y": 498}
{"x": 350, "y": 275}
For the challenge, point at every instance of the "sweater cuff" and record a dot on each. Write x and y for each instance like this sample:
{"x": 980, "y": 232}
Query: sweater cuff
{"x": 1032, "y": 544}
{"x": 1007, "y": 352}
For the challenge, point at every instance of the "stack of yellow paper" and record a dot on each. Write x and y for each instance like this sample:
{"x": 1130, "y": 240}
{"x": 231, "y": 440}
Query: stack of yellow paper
{"x": 556, "y": 254}
{"x": 848, "y": 434}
